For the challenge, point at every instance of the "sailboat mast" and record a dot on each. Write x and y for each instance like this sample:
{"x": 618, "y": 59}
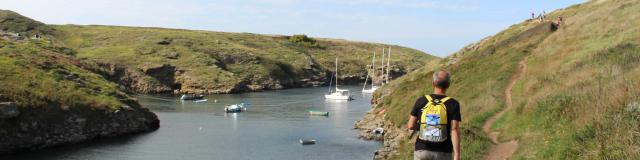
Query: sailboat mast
{"x": 382, "y": 80}
{"x": 336, "y": 74}
{"x": 373, "y": 67}
{"x": 365, "y": 81}
{"x": 373, "y": 64}
{"x": 388, "y": 65}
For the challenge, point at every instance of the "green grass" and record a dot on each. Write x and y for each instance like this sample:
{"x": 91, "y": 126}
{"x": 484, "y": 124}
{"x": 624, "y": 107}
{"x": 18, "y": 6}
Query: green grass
{"x": 221, "y": 61}
{"x": 570, "y": 103}
{"x": 13, "y": 22}
{"x": 34, "y": 76}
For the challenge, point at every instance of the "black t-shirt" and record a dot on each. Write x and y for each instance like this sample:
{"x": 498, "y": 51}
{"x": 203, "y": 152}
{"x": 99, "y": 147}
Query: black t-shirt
{"x": 453, "y": 113}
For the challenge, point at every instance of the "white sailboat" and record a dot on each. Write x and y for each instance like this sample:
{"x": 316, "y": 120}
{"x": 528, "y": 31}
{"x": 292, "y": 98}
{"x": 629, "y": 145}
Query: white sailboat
{"x": 373, "y": 86}
{"x": 338, "y": 94}
{"x": 385, "y": 73}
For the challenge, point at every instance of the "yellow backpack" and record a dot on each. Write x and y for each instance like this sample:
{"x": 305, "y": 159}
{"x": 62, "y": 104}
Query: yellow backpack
{"x": 433, "y": 121}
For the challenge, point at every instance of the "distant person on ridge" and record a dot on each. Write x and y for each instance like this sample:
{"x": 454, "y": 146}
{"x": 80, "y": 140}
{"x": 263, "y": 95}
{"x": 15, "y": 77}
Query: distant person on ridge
{"x": 533, "y": 15}
{"x": 540, "y": 17}
{"x": 559, "y": 21}
{"x": 436, "y": 117}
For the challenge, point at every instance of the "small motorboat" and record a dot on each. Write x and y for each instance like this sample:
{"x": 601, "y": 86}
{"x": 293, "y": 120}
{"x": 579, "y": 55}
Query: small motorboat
{"x": 378, "y": 131}
{"x": 307, "y": 141}
{"x": 318, "y": 113}
{"x": 235, "y": 108}
{"x": 191, "y": 97}
{"x": 200, "y": 101}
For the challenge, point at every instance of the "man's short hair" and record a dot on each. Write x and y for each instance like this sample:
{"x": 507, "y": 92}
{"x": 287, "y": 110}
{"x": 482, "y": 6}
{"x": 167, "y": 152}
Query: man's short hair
{"x": 441, "y": 81}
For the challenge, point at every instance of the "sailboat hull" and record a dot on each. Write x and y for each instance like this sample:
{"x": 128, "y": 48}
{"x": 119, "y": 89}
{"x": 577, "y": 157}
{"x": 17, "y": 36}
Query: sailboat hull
{"x": 371, "y": 90}
{"x": 337, "y": 97}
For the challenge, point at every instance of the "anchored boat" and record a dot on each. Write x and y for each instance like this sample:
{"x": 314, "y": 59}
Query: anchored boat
{"x": 318, "y": 113}
{"x": 369, "y": 74}
{"x": 307, "y": 141}
{"x": 338, "y": 94}
{"x": 191, "y": 97}
{"x": 385, "y": 73}
{"x": 235, "y": 108}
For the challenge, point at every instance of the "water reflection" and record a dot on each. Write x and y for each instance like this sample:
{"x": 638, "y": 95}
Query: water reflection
{"x": 234, "y": 119}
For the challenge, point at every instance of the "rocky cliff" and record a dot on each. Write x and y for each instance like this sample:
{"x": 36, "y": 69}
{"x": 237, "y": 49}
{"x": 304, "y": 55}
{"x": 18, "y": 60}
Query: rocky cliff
{"x": 30, "y": 128}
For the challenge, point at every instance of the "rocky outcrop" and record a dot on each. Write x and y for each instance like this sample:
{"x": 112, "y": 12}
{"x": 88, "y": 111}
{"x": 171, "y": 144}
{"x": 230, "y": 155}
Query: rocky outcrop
{"x": 154, "y": 79}
{"x": 373, "y": 122}
{"x": 164, "y": 74}
{"x": 40, "y": 127}
{"x": 374, "y": 119}
{"x": 391, "y": 137}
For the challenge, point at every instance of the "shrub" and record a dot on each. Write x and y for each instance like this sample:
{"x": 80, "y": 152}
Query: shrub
{"x": 304, "y": 40}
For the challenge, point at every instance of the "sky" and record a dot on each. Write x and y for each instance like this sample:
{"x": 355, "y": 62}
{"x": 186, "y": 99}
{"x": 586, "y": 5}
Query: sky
{"x": 438, "y": 27}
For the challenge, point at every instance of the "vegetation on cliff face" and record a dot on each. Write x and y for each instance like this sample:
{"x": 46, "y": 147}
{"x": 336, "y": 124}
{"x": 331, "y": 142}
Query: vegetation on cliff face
{"x": 33, "y": 75}
{"x": 164, "y": 60}
{"x": 49, "y": 97}
{"x": 578, "y": 98}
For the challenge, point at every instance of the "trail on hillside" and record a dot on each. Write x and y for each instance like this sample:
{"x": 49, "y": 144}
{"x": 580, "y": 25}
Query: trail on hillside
{"x": 504, "y": 150}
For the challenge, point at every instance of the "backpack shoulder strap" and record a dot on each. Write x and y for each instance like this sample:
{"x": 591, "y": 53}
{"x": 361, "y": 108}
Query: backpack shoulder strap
{"x": 442, "y": 101}
{"x": 429, "y": 98}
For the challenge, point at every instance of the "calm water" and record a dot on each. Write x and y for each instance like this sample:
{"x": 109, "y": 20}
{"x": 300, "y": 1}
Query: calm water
{"x": 270, "y": 129}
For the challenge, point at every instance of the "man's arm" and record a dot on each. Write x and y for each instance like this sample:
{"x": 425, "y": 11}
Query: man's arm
{"x": 412, "y": 122}
{"x": 455, "y": 139}
{"x": 413, "y": 117}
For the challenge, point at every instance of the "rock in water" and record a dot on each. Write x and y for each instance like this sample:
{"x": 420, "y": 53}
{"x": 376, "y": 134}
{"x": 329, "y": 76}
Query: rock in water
{"x": 8, "y": 110}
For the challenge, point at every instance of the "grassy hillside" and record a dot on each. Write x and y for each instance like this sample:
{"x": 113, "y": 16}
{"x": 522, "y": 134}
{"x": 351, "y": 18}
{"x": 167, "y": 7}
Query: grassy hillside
{"x": 36, "y": 72}
{"x": 33, "y": 73}
{"x": 578, "y": 98}
{"x": 49, "y": 97}
{"x": 162, "y": 60}
{"x": 13, "y": 22}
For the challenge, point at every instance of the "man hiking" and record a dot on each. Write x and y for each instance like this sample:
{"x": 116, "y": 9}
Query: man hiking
{"x": 436, "y": 118}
